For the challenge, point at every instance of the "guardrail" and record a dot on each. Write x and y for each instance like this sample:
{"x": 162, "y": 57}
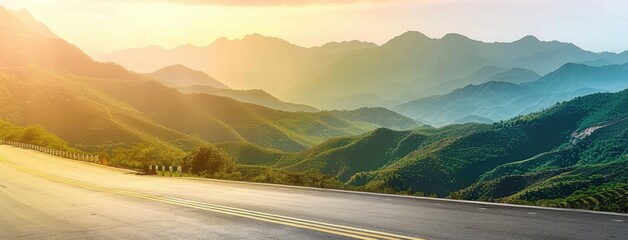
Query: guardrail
{"x": 54, "y": 152}
{"x": 162, "y": 170}
{"x": 152, "y": 169}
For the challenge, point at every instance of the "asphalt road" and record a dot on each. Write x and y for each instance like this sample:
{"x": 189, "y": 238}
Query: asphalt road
{"x": 43, "y": 196}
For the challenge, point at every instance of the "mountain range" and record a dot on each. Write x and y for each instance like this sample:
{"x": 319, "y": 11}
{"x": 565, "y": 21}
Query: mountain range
{"x": 188, "y": 80}
{"x": 406, "y": 68}
{"x": 497, "y": 100}
{"x": 253, "y": 62}
{"x": 96, "y": 106}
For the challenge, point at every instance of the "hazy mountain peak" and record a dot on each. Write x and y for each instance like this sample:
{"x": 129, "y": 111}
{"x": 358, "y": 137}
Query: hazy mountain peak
{"x": 253, "y": 36}
{"x": 260, "y": 37}
{"x": 8, "y": 18}
{"x": 346, "y": 46}
{"x": 352, "y": 42}
{"x": 494, "y": 87}
{"x": 176, "y": 67}
{"x": 455, "y": 37}
{"x": 253, "y": 39}
{"x": 515, "y": 75}
{"x": 220, "y": 40}
{"x": 529, "y": 38}
{"x": 180, "y": 75}
{"x": 408, "y": 37}
{"x": 27, "y": 19}
{"x": 570, "y": 47}
{"x": 571, "y": 65}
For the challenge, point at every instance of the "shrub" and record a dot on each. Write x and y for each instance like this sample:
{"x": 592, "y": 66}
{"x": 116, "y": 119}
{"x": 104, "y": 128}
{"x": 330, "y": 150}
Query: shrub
{"x": 208, "y": 161}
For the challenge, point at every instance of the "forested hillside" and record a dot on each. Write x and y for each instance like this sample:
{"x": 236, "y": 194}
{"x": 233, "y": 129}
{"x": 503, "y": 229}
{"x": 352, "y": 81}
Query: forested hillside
{"x": 573, "y": 154}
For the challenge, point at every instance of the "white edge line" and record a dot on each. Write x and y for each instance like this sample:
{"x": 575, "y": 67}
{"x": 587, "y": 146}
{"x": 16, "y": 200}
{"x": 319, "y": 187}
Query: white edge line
{"x": 411, "y": 197}
{"x": 365, "y": 193}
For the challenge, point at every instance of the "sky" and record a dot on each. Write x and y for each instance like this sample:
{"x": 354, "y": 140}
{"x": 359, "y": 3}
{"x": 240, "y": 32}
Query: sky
{"x": 101, "y": 26}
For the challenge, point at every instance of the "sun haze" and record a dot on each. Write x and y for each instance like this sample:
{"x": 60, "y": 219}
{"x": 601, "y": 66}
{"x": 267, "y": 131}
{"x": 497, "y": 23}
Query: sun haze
{"x": 170, "y": 23}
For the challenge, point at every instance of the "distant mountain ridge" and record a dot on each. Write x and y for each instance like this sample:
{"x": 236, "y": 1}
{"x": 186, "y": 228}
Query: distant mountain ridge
{"x": 179, "y": 75}
{"x": 381, "y": 117}
{"x": 26, "y": 18}
{"x": 413, "y": 63}
{"x": 253, "y": 62}
{"x": 320, "y": 75}
{"x": 501, "y": 100}
{"x": 188, "y": 80}
{"x": 572, "y": 77}
{"x": 254, "y": 96}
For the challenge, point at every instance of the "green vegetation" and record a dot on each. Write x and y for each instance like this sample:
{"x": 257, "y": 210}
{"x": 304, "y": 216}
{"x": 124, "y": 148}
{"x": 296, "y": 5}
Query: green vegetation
{"x": 379, "y": 116}
{"x": 95, "y": 114}
{"x": 517, "y": 161}
{"x": 33, "y": 135}
{"x": 263, "y": 174}
{"x": 343, "y": 157}
{"x": 140, "y": 156}
{"x": 573, "y": 154}
{"x": 207, "y": 161}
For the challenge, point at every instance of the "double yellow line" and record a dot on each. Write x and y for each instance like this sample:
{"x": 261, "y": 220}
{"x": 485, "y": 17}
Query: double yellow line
{"x": 335, "y": 229}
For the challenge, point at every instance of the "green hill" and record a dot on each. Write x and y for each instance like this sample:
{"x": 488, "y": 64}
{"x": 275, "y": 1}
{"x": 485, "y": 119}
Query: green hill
{"x": 589, "y": 172}
{"x": 32, "y": 135}
{"x": 345, "y": 156}
{"x": 379, "y": 116}
{"x": 86, "y": 118}
{"x": 460, "y": 161}
{"x": 254, "y": 96}
{"x": 95, "y": 112}
{"x": 97, "y": 106}
{"x": 573, "y": 154}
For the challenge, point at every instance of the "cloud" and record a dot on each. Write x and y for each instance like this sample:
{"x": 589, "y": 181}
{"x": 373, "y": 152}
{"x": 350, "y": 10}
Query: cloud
{"x": 266, "y": 2}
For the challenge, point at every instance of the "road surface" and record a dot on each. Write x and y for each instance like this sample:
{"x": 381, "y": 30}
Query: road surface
{"x": 43, "y": 196}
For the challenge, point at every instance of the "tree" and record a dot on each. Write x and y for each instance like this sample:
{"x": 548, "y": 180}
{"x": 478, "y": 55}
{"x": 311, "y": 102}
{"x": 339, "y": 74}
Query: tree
{"x": 208, "y": 160}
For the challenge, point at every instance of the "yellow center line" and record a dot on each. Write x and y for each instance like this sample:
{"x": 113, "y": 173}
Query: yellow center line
{"x": 395, "y": 236}
{"x": 289, "y": 219}
{"x": 266, "y": 217}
